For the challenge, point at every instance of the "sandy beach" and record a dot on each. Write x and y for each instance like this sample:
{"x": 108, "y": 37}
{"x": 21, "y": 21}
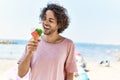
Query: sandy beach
{"x": 100, "y": 72}
{"x": 6, "y": 65}
{"x": 8, "y": 68}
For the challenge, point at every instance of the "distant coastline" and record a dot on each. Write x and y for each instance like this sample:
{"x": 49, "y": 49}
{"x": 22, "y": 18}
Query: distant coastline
{"x": 12, "y": 41}
{"x": 7, "y": 42}
{"x": 19, "y": 41}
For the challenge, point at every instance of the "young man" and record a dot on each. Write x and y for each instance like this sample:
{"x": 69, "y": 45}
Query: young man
{"x": 52, "y": 57}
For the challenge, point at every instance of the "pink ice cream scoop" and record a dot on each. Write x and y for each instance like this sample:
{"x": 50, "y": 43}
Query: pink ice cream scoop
{"x": 36, "y": 34}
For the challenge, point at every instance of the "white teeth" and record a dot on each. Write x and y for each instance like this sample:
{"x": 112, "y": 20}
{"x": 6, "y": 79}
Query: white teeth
{"x": 46, "y": 26}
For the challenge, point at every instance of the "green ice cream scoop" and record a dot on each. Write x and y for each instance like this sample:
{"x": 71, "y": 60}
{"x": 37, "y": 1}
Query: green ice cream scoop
{"x": 39, "y": 31}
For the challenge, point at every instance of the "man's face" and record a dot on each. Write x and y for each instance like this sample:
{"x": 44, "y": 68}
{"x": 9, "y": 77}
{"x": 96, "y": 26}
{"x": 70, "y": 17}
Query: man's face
{"x": 49, "y": 23}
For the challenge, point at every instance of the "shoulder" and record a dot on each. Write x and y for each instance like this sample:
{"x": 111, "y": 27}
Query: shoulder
{"x": 69, "y": 41}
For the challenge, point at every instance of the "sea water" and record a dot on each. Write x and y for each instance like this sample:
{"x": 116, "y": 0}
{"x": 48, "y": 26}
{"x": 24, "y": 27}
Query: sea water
{"x": 11, "y": 51}
{"x": 97, "y": 52}
{"x": 90, "y": 52}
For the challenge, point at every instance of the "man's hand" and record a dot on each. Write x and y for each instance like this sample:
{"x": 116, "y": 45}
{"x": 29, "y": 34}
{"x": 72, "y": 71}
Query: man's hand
{"x": 31, "y": 46}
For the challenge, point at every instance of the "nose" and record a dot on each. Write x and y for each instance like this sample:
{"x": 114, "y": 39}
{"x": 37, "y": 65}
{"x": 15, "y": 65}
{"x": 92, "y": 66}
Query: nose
{"x": 45, "y": 22}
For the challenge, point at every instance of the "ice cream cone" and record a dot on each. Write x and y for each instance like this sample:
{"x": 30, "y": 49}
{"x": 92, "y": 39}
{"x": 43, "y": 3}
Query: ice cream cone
{"x": 36, "y": 34}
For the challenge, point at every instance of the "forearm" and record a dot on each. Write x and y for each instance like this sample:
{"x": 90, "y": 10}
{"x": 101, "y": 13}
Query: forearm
{"x": 70, "y": 76}
{"x": 23, "y": 66}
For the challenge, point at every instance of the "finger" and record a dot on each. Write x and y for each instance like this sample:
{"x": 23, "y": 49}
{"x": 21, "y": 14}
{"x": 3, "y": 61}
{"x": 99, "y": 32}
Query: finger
{"x": 33, "y": 42}
{"x": 32, "y": 48}
{"x": 34, "y": 45}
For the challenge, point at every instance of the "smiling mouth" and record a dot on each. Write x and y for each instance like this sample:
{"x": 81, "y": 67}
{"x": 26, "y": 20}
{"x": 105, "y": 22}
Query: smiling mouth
{"x": 46, "y": 27}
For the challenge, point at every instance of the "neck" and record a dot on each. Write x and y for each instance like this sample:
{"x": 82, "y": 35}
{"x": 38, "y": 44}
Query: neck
{"x": 53, "y": 38}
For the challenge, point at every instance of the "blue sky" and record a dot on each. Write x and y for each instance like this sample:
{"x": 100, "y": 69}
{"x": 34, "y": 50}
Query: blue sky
{"x": 92, "y": 21}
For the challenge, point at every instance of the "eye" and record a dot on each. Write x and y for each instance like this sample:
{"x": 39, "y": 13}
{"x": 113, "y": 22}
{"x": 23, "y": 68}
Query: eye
{"x": 51, "y": 21}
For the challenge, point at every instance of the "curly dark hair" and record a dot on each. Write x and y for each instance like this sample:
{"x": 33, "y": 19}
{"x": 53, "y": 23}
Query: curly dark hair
{"x": 60, "y": 13}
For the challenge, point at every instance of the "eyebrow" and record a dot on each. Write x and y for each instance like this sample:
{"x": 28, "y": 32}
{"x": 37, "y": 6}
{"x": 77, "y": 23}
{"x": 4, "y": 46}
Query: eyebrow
{"x": 52, "y": 19}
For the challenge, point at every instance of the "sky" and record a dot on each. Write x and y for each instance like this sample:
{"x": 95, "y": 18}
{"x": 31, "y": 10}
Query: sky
{"x": 91, "y": 21}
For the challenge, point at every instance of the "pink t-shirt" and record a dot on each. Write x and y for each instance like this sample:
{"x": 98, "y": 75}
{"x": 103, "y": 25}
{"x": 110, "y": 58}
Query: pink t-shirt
{"x": 53, "y": 61}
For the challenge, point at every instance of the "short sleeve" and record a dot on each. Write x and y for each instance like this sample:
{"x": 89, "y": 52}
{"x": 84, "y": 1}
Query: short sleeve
{"x": 22, "y": 57}
{"x": 70, "y": 64}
